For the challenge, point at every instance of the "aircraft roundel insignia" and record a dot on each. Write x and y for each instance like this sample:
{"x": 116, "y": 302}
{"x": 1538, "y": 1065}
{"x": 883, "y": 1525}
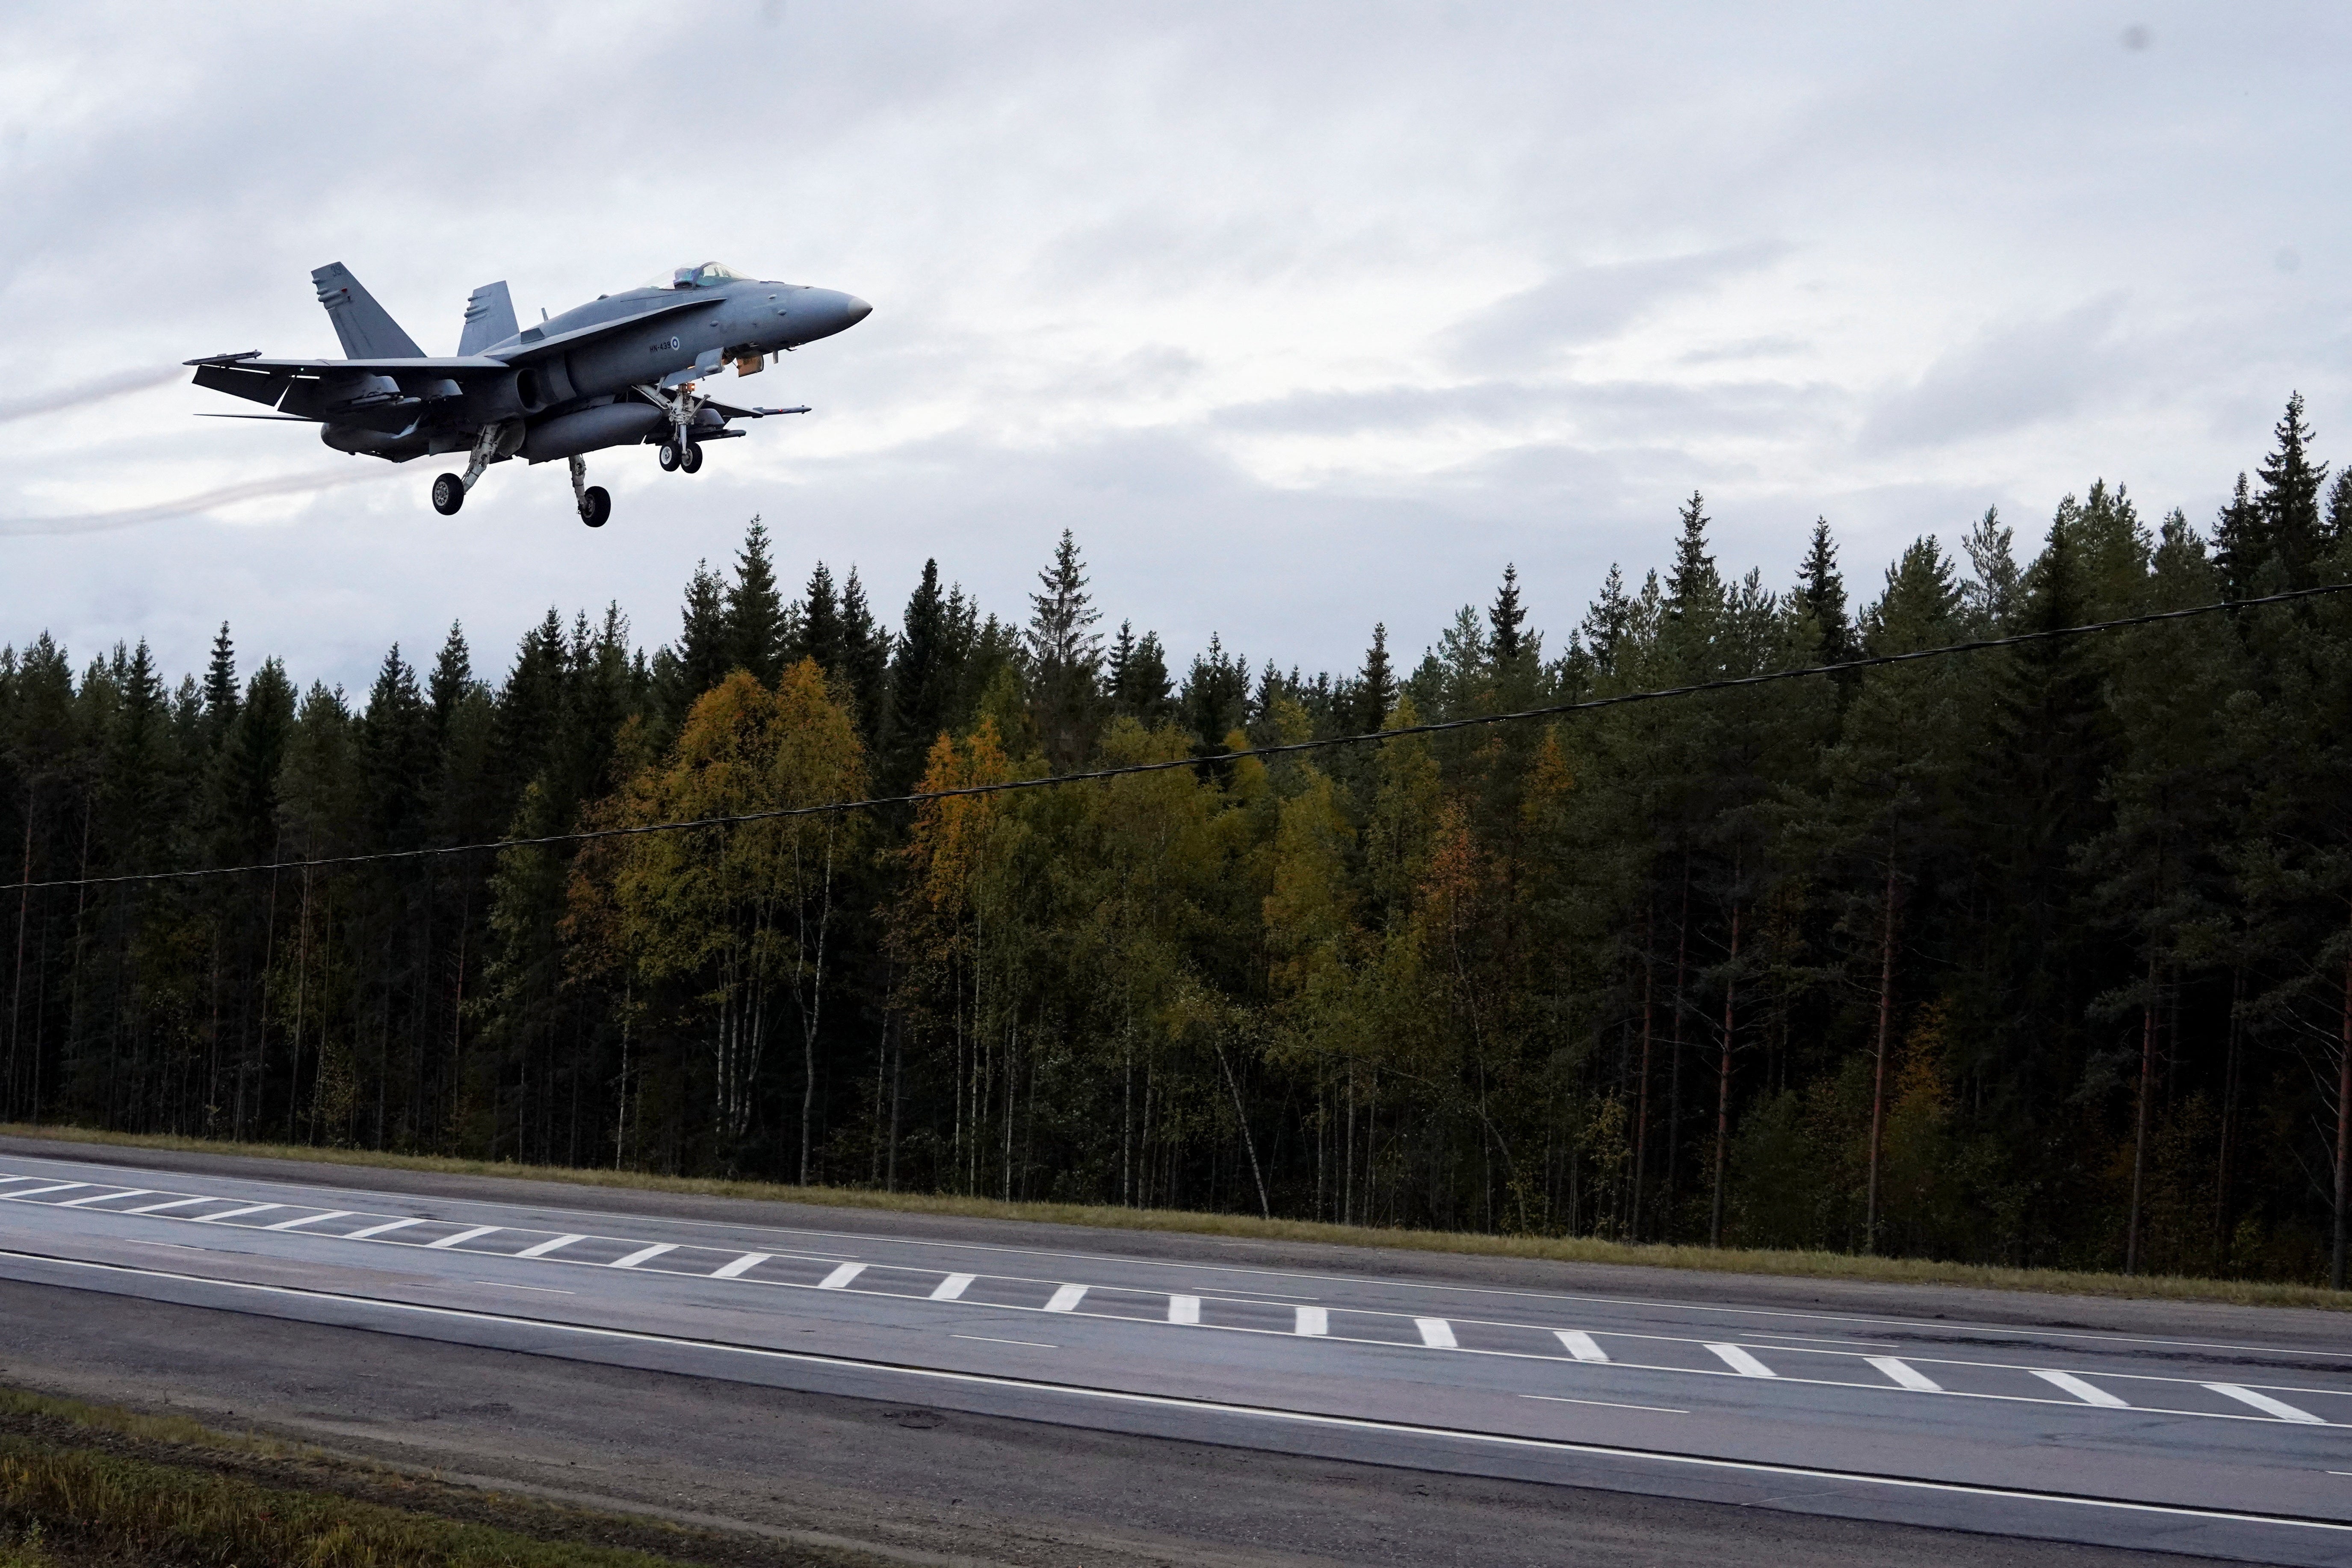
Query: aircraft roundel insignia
{"x": 673, "y": 343}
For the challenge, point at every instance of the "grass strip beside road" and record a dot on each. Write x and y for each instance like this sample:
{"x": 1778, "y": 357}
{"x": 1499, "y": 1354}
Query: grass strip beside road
{"x": 82, "y": 1483}
{"x": 1838, "y": 1266}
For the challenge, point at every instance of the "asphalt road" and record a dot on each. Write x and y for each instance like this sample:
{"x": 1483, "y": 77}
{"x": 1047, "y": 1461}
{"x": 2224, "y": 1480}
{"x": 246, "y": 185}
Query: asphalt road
{"x": 2225, "y": 1433}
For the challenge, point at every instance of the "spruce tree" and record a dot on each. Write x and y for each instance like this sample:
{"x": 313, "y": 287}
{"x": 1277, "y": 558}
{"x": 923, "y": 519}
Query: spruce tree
{"x": 2291, "y": 484}
{"x": 452, "y": 679}
{"x": 1505, "y": 616}
{"x": 1991, "y": 598}
{"x": 817, "y": 632}
{"x": 220, "y": 689}
{"x": 396, "y": 753}
{"x": 1693, "y": 585}
{"x": 1605, "y": 622}
{"x": 2339, "y": 510}
{"x": 1821, "y": 590}
{"x": 755, "y": 610}
{"x": 923, "y": 678}
{"x": 1376, "y": 684}
{"x": 1065, "y": 656}
{"x": 864, "y": 661}
{"x": 1139, "y": 686}
{"x": 2241, "y": 542}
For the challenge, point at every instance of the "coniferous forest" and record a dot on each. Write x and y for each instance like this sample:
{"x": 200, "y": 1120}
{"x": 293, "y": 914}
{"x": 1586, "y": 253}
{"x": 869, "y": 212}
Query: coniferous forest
{"x": 2036, "y": 956}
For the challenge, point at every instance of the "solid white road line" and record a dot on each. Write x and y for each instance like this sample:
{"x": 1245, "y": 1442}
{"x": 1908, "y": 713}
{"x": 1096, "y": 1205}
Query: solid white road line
{"x": 840, "y": 1277}
{"x": 1616, "y": 1452}
{"x": 464, "y": 1236}
{"x": 642, "y": 1253}
{"x": 235, "y": 1214}
{"x": 987, "y": 1340}
{"x": 52, "y": 1187}
{"x": 1183, "y": 1309}
{"x": 1311, "y": 1321}
{"x": 1436, "y": 1333}
{"x": 390, "y": 1225}
{"x": 2263, "y": 1401}
{"x": 541, "y": 1248}
{"x": 2079, "y": 1389}
{"x": 102, "y": 1197}
{"x": 1604, "y": 1404}
{"x": 300, "y": 1220}
{"x": 1904, "y": 1373}
{"x": 1740, "y": 1361}
{"x": 953, "y": 1287}
{"x": 1067, "y": 1298}
{"x": 158, "y": 1208}
{"x": 741, "y": 1266}
{"x": 1580, "y": 1345}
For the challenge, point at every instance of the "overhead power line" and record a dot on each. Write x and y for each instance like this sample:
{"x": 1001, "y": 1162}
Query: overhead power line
{"x": 1551, "y": 711}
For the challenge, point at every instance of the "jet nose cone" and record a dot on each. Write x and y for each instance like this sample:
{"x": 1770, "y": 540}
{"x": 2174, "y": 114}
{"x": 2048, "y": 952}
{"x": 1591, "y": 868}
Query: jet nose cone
{"x": 856, "y": 309}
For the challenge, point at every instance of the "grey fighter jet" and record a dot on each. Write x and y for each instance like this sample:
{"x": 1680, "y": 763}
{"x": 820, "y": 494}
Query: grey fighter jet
{"x": 623, "y": 370}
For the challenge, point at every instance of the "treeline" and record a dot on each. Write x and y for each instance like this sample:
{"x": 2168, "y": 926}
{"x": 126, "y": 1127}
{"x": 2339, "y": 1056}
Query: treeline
{"x": 2040, "y": 956}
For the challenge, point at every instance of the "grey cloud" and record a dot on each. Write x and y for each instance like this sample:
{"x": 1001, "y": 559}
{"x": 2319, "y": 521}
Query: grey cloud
{"x": 1591, "y": 304}
{"x": 2010, "y": 377}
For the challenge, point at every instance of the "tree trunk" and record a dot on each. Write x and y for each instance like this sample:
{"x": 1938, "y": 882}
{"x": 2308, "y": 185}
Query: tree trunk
{"x": 1723, "y": 1084}
{"x": 1878, "y": 1070}
{"x": 1249, "y": 1144}
{"x": 2139, "y": 1119}
{"x": 1675, "y": 1050}
{"x": 2342, "y": 1125}
{"x": 1642, "y": 1099}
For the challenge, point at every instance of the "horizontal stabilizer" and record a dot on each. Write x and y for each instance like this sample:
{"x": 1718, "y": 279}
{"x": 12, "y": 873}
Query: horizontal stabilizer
{"x": 366, "y": 329}
{"x": 489, "y": 319}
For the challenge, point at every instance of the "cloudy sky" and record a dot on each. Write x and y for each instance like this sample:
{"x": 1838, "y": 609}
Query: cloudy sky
{"x": 1300, "y": 315}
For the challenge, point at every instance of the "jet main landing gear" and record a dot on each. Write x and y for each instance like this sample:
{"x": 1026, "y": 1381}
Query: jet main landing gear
{"x": 595, "y": 505}
{"x": 490, "y": 443}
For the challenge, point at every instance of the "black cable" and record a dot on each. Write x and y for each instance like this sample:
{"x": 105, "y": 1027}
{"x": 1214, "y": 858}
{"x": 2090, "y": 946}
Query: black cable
{"x": 1439, "y": 727}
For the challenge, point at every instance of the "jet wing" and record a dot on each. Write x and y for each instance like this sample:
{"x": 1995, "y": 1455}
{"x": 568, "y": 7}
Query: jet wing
{"x": 455, "y": 365}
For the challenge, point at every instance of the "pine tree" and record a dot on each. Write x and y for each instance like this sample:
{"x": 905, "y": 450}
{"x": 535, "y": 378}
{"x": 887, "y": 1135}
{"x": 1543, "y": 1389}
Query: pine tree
{"x": 755, "y": 631}
{"x": 2291, "y": 484}
{"x": 1991, "y": 598}
{"x": 1606, "y": 621}
{"x": 1821, "y": 590}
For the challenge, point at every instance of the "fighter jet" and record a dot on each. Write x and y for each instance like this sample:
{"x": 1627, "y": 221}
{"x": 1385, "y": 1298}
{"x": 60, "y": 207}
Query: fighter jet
{"x": 624, "y": 369}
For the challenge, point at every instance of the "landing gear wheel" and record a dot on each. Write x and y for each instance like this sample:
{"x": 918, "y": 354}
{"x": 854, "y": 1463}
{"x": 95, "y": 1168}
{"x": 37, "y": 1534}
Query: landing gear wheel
{"x": 691, "y": 458}
{"x": 595, "y": 506}
{"x": 668, "y": 456}
{"x": 448, "y": 494}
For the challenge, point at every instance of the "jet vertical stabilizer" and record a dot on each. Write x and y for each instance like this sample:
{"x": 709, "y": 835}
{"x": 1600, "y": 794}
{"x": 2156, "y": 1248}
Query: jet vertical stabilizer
{"x": 489, "y": 319}
{"x": 367, "y": 331}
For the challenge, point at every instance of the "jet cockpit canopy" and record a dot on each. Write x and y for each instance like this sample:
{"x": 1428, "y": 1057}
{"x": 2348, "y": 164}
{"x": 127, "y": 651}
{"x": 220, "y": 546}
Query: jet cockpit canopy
{"x": 701, "y": 274}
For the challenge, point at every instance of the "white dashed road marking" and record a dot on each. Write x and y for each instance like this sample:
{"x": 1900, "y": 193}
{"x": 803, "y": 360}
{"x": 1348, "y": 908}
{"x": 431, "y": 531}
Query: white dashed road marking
{"x": 464, "y": 1236}
{"x": 840, "y": 1277}
{"x": 644, "y": 1253}
{"x": 953, "y": 1287}
{"x": 741, "y": 1266}
{"x": 300, "y": 1220}
{"x": 2264, "y": 1403}
{"x": 2083, "y": 1391}
{"x": 236, "y": 1214}
{"x": 1311, "y": 1321}
{"x": 1904, "y": 1373}
{"x": 1067, "y": 1298}
{"x": 388, "y": 1225}
{"x": 1436, "y": 1333}
{"x": 1580, "y": 1345}
{"x": 102, "y": 1197}
{"x": 1740, "y": 1361}
{"x": 157, "y": 1208}
{"x": 1183, "y": 1309}
{"x": 540, "y": 1249}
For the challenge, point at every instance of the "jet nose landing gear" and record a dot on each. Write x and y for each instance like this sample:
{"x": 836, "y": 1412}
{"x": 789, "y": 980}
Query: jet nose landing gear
{"x": 595, "y": 505}
{"x": 680, "y": 456}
